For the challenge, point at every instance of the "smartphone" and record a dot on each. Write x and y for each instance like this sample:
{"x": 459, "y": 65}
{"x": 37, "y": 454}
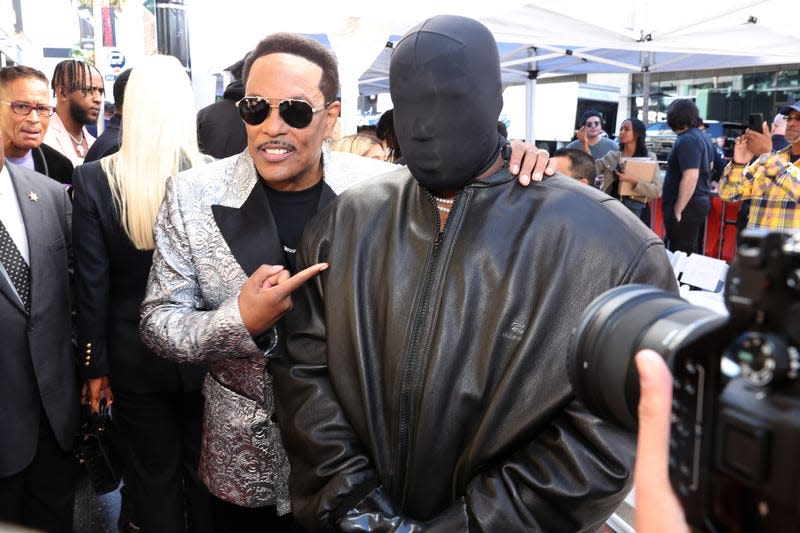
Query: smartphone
{"x": 755, "y": 122}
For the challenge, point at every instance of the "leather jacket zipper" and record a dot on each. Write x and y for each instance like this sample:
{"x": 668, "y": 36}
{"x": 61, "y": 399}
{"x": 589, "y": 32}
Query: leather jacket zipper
{"x": 416, "y": 361}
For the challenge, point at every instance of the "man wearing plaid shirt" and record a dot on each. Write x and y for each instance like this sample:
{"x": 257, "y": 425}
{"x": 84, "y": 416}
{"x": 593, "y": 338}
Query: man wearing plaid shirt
{"x": 772, "y": 180}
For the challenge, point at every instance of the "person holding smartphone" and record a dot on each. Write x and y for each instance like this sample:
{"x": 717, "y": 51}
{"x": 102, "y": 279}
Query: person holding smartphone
{"x": 771, "y": 181}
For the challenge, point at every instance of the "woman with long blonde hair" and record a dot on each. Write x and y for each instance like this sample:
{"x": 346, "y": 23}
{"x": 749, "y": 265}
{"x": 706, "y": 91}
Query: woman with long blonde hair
{"x": 157, "y": 403}
{"x": 360, "y": 144}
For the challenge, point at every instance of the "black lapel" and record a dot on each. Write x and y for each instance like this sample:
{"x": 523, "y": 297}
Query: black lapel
{"x": 250, "y": 231}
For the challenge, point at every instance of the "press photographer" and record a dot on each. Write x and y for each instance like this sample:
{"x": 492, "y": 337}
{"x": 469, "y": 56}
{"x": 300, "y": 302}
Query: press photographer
{"x": 731, "y": 439}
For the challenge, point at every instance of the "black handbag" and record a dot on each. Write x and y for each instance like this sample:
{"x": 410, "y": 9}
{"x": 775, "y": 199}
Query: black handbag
{"x": 99, "y": 448}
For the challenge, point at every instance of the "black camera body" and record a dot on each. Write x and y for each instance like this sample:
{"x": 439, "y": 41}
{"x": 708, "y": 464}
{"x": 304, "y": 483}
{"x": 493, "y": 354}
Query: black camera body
{"x": 734, "y": 441}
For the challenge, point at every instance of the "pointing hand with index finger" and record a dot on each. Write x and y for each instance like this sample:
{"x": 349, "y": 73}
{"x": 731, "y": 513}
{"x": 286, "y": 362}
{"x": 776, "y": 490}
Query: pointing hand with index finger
{"x": 267, "y": 295}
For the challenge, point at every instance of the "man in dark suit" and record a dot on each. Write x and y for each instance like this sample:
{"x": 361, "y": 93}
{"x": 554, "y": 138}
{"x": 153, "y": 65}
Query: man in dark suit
{"x": 108, "y": 141}
{"x": 220, "y": 130}
{"x": 38, "y": 384}
{"x": 21, "y": 89}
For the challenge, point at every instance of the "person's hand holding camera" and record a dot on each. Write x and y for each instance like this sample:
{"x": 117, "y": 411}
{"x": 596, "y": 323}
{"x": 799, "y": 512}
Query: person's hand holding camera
{"x": 657, "y": 508}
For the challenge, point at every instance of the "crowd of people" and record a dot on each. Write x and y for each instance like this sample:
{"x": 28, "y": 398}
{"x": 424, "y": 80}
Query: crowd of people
{"x": 695, "y": 169}
{"x": 280, "y": 359}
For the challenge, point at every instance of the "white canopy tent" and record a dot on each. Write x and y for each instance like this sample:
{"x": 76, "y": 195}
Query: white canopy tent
{"x": 640, "y": 36}
{"x": 536, "y": 39}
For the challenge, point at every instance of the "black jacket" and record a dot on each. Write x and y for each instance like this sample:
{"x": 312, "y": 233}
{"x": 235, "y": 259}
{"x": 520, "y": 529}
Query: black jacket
{"x": 425, "y": 379}
{"x": 220, "y": 130}
{"x": 53, "y": 163}
{"x": 111, "y": 277}
{"x": 108, "y": 141}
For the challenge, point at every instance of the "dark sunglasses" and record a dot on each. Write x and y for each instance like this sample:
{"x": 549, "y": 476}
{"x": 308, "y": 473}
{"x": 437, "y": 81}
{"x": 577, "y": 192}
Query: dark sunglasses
{"x": 296, "y": 113}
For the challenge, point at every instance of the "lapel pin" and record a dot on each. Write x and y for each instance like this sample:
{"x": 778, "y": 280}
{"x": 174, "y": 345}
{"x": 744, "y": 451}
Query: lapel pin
{"x": 33, "y": 196}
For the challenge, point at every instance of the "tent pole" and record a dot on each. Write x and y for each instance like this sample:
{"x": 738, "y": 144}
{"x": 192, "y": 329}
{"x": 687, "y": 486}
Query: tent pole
{"x": 646, "y": 97}
{"x": 646, "y": 59}
{"x": 530, "y": 98}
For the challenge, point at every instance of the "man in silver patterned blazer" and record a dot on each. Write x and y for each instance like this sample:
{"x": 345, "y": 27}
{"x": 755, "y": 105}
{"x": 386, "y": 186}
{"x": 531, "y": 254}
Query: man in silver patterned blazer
{"x": 212, "y": 294}
{"x": 225, "y": 244}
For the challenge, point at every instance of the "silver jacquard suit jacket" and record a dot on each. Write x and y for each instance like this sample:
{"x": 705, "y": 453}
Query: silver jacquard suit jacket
{"x": 213, "y": 230}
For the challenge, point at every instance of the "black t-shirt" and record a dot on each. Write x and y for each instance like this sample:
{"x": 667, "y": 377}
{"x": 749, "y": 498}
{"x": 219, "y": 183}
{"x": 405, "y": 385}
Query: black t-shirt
{"x": 692, "y": 149}
{"x": 291, "y": 211}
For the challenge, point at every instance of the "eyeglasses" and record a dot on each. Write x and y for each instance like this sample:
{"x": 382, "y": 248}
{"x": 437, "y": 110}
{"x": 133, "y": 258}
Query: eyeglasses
{"x": 24, "y": 108}
{"x": 296, "y": 113}
{"x": 593, "y": 123}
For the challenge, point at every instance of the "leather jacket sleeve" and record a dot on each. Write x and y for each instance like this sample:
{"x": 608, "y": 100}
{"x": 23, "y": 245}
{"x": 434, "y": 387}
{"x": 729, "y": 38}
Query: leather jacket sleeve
{"x": 376, "y": 514}
{"x": 331, "y": 471}
{"x": 550, "y": 480}
{"x": 545, "y": 483}
{"x": 176, "y": 323}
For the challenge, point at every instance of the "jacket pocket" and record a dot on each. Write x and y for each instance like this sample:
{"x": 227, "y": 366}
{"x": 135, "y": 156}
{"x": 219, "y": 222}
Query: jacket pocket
{"x": 58, "y": 244}
{"x": 242, "y": 460}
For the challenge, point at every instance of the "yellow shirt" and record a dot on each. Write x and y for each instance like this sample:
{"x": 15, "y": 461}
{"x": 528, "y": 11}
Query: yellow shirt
{"x": 772, "y": 184}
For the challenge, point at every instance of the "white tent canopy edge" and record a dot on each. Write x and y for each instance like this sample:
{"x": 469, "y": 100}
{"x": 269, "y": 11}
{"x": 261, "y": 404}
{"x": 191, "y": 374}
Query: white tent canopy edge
{"x": 536, "y": 38}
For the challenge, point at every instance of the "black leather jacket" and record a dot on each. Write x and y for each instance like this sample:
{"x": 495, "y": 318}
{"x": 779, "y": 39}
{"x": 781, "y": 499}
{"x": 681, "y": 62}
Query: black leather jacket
{"x": 425, "y": 386}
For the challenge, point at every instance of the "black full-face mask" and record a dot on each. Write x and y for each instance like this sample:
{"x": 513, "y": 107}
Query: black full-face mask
{"x": 447, "y": 95}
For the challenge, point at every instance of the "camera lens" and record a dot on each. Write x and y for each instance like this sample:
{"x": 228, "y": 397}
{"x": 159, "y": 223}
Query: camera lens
{"x": 616, "y": 325}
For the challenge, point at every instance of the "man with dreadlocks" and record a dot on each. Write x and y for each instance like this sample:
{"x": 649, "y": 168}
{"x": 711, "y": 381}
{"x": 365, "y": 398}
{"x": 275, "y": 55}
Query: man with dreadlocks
{"x": 78, "y": 89}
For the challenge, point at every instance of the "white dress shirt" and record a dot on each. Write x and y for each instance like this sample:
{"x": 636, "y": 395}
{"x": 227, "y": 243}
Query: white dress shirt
{"x": 11, "y": 216}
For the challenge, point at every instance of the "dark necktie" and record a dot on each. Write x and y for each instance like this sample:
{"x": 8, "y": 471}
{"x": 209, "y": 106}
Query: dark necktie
{"x": 16, "y": 267}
